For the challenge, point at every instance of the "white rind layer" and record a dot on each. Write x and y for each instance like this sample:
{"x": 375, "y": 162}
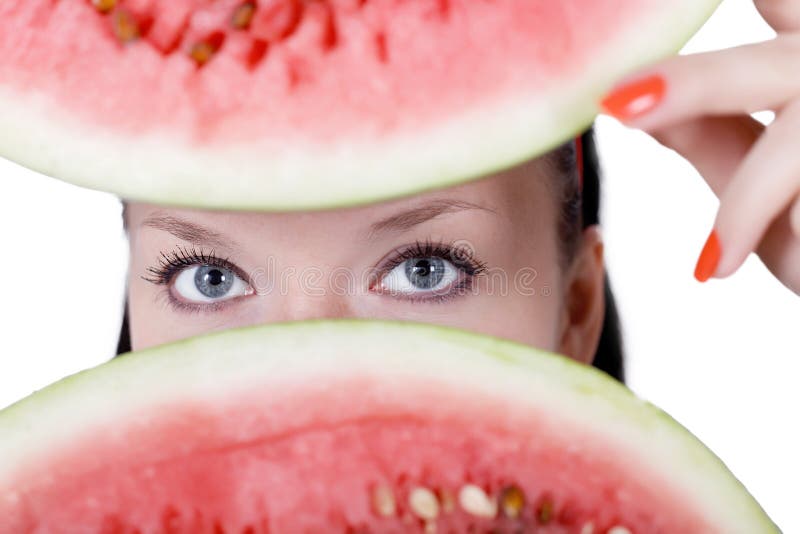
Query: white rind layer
{"x": 210, "y": 369}
{"x": 167, "y": 169}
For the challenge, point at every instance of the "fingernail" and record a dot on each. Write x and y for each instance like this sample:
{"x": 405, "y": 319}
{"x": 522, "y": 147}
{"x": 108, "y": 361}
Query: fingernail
{"x": 709, "y": 258}
{"x": 634, "y": 98}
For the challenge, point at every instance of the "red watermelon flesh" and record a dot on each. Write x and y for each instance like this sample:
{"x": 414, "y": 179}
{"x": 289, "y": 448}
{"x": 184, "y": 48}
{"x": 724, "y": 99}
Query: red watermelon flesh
{"x": 309, "y": 103}
{"x": 324, "y": 427}
{"x": 155, "y": 84}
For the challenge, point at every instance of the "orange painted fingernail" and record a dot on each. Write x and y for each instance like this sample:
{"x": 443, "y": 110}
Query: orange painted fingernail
{"x": 635, "y": 98}
{"x": 709, "y": 258}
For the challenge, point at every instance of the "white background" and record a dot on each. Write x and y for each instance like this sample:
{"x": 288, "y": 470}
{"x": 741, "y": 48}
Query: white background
{"x": 721, "y": 357}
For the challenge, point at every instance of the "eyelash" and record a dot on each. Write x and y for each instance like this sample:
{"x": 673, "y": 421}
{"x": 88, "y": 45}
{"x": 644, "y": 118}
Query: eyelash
{"x": 172, "y": 263}
{"x": 175, "y": 261}
{"x": 190, "y": 307}
{"x": 460, "y": 256}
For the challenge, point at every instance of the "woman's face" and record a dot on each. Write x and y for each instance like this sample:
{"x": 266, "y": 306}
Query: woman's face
{"x": 481, "y": 256}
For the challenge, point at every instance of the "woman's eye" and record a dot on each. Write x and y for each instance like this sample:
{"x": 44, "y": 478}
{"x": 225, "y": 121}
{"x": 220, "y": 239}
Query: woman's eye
{"x": 207, "y": 283}
{"x": 421, "y": 275}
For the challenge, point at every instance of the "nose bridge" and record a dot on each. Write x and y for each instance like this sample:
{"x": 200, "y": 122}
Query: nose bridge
{"x": 316, "y": 293}
{"x": 302, "y": 307}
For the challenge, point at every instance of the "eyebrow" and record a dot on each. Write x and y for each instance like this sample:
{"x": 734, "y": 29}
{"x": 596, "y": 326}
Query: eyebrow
{"x": 408, "y": 219}
{"x": 188, "y": 231}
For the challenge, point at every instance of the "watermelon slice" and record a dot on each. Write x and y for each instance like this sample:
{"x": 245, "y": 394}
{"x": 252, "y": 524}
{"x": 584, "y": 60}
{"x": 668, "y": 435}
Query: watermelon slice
{"x": 356, "y": 426}
{"x": 288, "y": 104}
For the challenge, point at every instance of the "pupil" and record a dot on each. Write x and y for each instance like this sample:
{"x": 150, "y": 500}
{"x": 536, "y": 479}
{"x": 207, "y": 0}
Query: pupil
{"x": 425, "y": 273}
{"x": 215, "y": 277}
{"x": 423, "y": 268}
{"x": 213, "y": 282}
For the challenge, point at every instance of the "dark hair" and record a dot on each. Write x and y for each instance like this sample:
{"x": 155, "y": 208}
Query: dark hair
{"x": 609, "y": 356}
{"x": 579, "y": 209}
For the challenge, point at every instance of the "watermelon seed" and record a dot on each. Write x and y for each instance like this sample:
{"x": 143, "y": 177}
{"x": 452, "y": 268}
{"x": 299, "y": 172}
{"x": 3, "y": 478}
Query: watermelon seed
{"x": 257, "y": 52}
{"x": 380, "y": 47}
{"x": 618, "y": 530}
{"x": 423, "y": 503}
{"x": 588, "y": 528}
{"x": 545, "y": 512}
{"x": 243, "y": 15}
{"x": 276, "y": 20}
{"x": 512, "y": 501}
{"x": 203, "y": 51}
{"x": 383, "y": 501}
{"x": 331, "y": 35}
{"x": 104, "y": 6}
{"x": 125, "y": 26}
{"x": 475, "y": 501}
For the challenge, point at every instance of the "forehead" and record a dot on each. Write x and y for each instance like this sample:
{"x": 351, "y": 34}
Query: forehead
{"x": 510, "y": 194}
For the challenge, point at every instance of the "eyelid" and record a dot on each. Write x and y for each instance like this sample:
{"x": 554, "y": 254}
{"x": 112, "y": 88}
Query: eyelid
{"x": 461, "y": 277}
{"x": 180, "y": 258}
{"x": 173, "y": 264}
{"x": 242, "y": 287}
{"x": 166, "y": 296}
{"x": 420, "y": 249}
{"x": 465, "y": 263}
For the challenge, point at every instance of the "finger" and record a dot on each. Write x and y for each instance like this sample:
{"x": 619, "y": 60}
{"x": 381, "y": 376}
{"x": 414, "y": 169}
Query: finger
{"x": 780, "y": 249}
{"x": 794, "y": 218}
{"x": 767, "y": 181}
{"x": 715, "y": 146}
{"x": 732, "y": 81}
{"x": 782, "y": 15}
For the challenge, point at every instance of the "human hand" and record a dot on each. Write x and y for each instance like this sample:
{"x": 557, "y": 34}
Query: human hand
{"x": 700, "y": 105}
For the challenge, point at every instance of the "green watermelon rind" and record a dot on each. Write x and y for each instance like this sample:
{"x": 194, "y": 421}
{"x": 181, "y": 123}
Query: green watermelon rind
{"x": 486, "y": 141}
{"x": 199, "y": 367}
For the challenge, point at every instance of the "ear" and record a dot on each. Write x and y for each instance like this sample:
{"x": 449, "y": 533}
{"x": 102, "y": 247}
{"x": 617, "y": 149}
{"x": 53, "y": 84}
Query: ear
{"x": 583, "y": 308}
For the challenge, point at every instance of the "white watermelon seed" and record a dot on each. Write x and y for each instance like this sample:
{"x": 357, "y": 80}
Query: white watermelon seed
{"x": 475, "y": 501}
{"x": 618, "y": 530}
{"x": 383, "y": 501}
{"x": 423, "y": 503}
{"x": 588, "y": 528}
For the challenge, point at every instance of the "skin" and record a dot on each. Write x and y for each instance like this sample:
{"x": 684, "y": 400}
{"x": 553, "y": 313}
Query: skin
{"x": 507, "y": 220}
{"x": 704, "y": 116}
{"x": 754, "y": 170}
